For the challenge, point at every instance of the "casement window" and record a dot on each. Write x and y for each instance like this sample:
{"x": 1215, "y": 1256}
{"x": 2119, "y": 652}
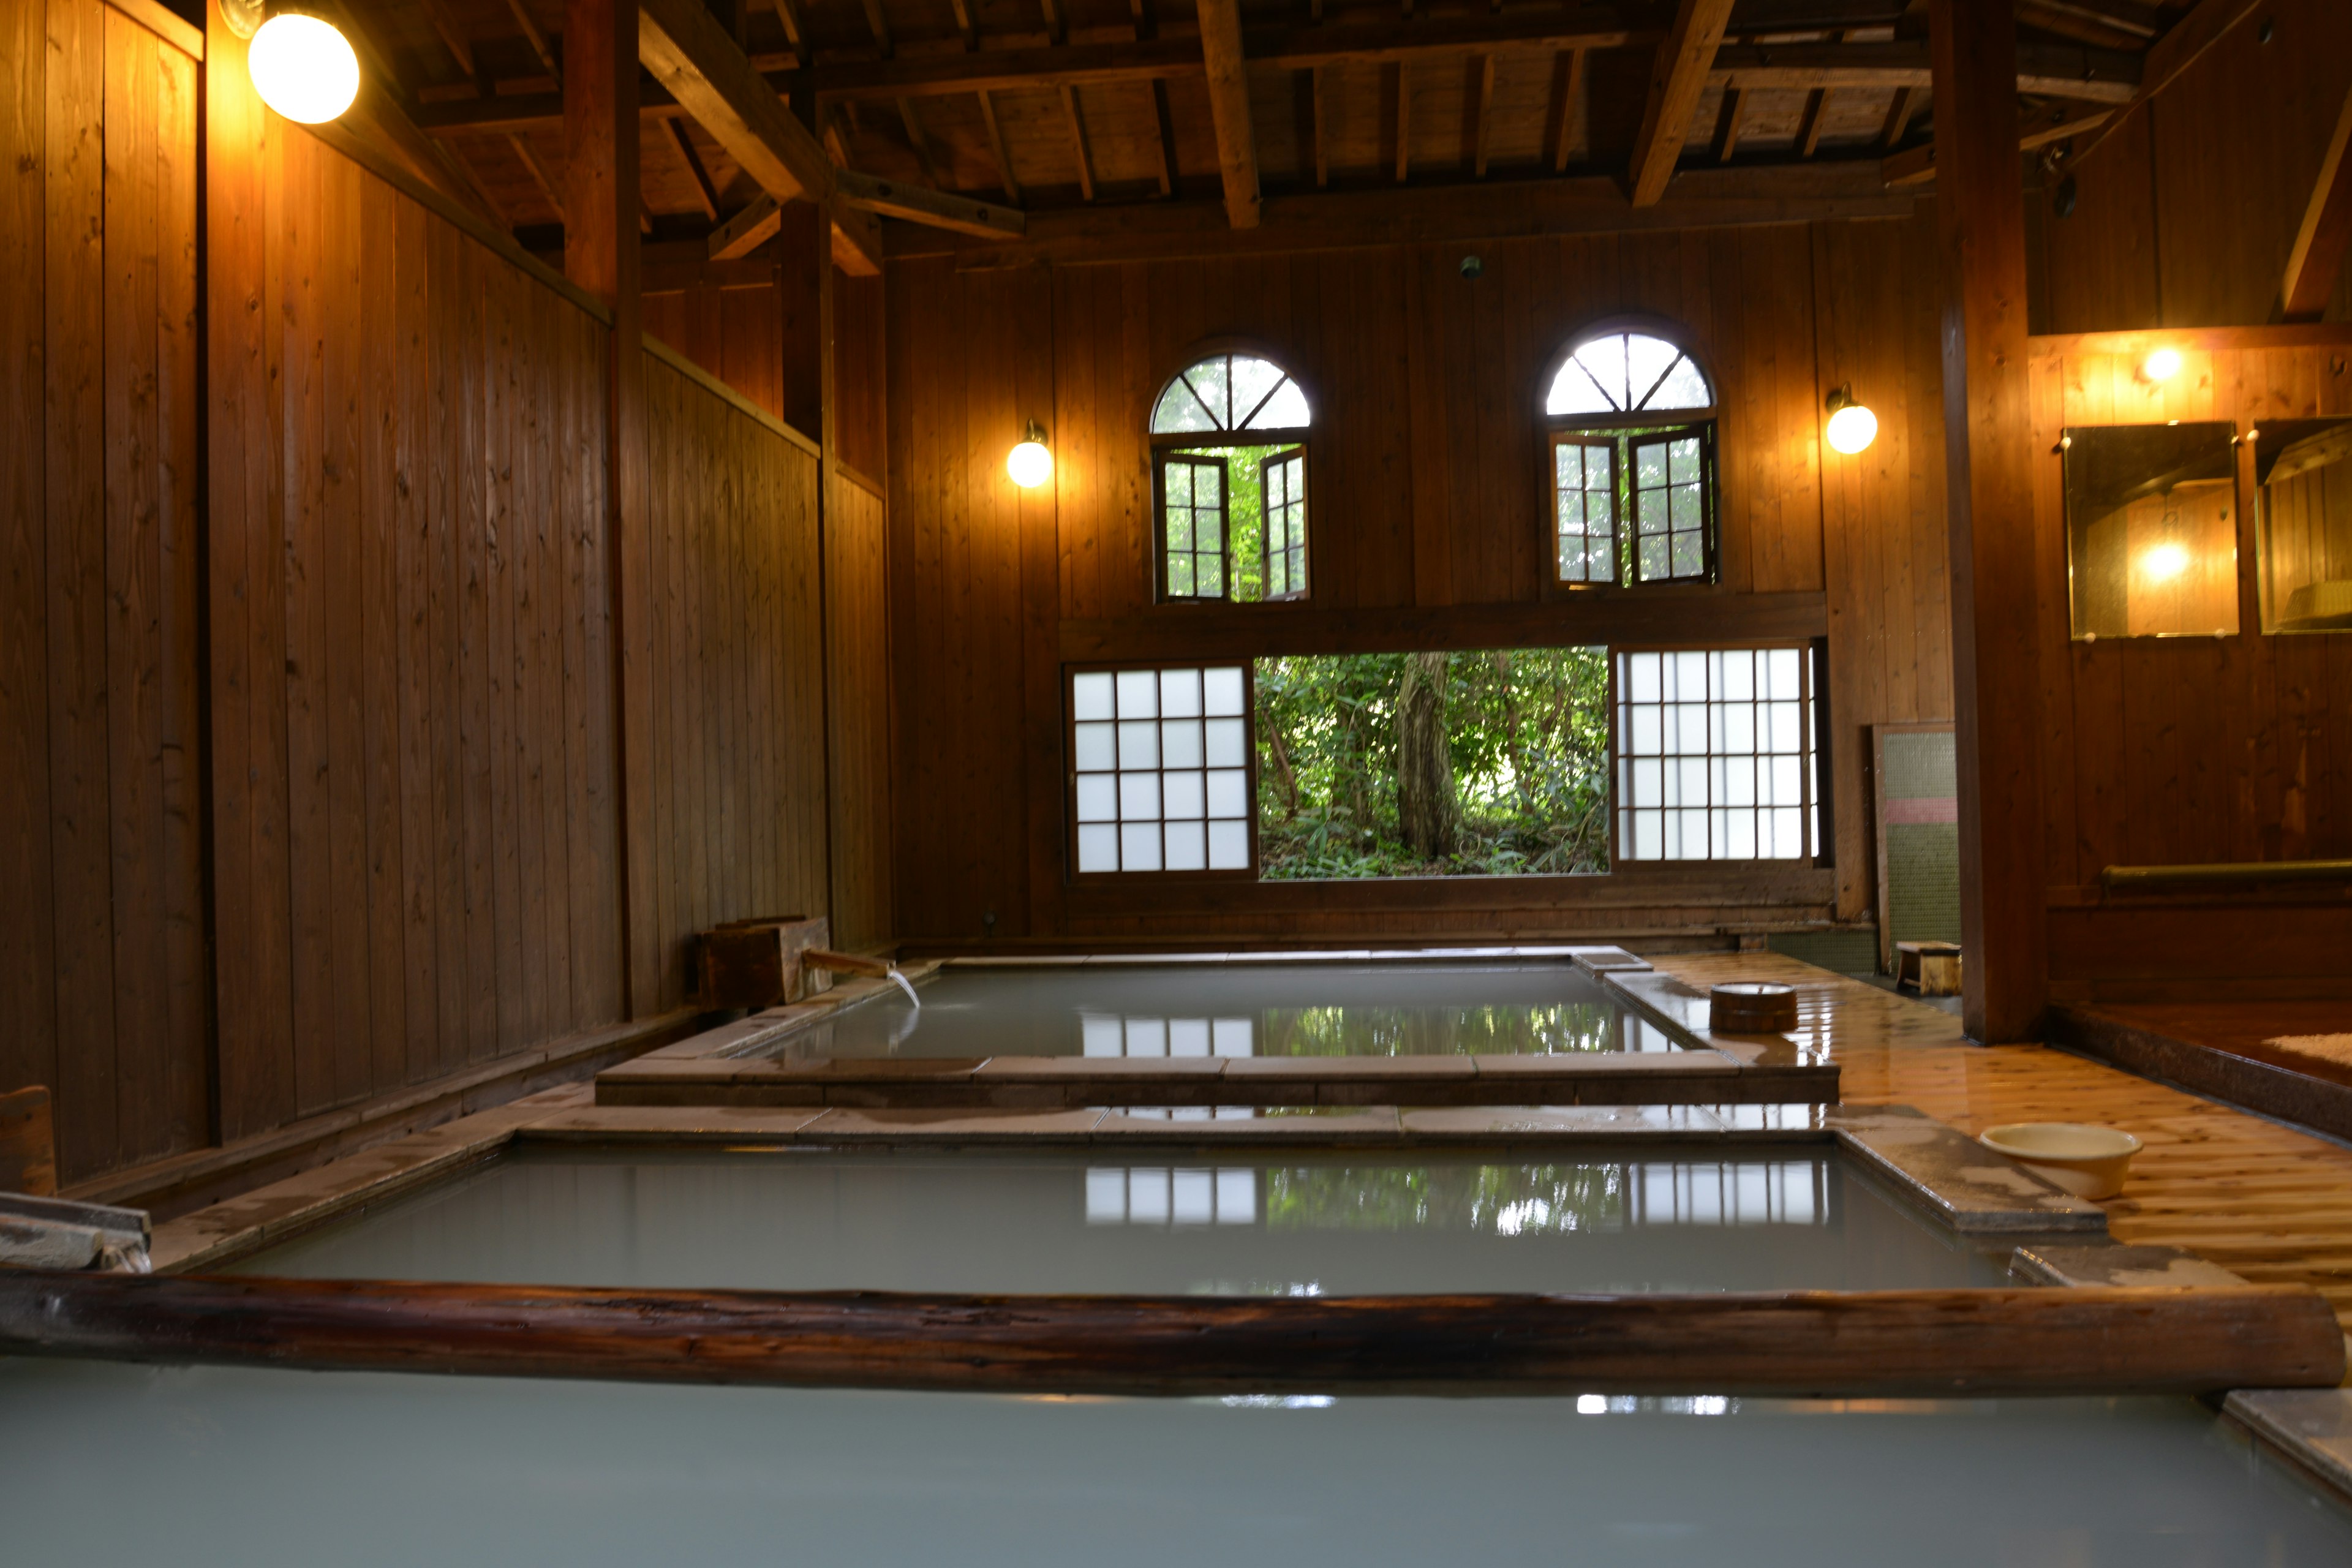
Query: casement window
{"x": 1229, "y": 482}
{"x": 1715, "y": 755}
{"x": 1161, "y": 770}
{"x": 1631, "y": 478}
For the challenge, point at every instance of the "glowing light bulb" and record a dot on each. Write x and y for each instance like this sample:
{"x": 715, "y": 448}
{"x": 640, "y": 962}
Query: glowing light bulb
{"x": 2163, "y": 563}
{"x": 303, "y": 68}
{"x": 1030, "y": 465}
{"x": 2161, "y": 365}
{"x": 1852, "y": 428}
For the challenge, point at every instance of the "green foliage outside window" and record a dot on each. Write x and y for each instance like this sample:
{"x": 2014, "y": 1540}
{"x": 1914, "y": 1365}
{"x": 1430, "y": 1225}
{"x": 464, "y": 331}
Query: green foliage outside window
{"x": 1526, "y": 732}
{"x": 1245, "y": 524}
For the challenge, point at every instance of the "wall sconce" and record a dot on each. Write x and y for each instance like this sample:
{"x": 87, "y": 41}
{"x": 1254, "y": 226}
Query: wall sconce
{"x": 1852, "y": 427}
{"x": 2161, "y": 365}
{"x": 1031, "y": 464}
{"x": 300, "y": 63}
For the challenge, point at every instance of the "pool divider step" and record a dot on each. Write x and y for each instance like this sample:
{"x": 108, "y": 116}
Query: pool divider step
{"x": 1808, "y": 1344}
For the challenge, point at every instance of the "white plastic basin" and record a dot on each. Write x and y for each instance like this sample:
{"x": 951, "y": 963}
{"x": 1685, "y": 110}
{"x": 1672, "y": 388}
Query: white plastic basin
{"x": 2085, "y": 1160}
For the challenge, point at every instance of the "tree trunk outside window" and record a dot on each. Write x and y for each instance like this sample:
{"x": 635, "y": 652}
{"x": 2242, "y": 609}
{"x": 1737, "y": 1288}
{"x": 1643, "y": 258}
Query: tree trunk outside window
{"x": 1424, "y": 766}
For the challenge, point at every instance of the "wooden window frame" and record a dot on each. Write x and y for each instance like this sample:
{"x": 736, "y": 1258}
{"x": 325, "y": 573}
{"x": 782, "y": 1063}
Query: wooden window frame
{"x": 1296, "y": 441}
{"x": 1161, "y": 464}
{"x": 1620, "y": 433}
{"x": 1296, "y": 545}
{"x": 1076, "y": 877}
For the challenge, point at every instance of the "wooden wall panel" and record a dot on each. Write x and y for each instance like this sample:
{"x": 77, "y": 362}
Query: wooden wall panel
{"x": 860, "y": 419}
{"x": 738, "y": 750}
{"x": 2185, "y": 215}
{"x": 2188, "y": 750}
{"x": 413, "y": 835}
{"x": 1428, "y": 514}
{"x": 98, "y": 704}
{"x": 859, "y": 711}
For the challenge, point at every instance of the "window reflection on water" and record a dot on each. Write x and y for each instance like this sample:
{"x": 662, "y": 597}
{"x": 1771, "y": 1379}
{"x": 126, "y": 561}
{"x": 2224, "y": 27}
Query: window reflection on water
{"x": 1494, "y": 1200}
{"x": 1518, "y": 1030}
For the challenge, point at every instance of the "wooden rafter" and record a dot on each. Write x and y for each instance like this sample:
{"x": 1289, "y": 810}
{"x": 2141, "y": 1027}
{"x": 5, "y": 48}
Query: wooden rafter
{"x": 1571, "y": 105}
{"x": 2317, "y": 258}
{"x": 746, "y": 230}
{"x": 534, "y": 37}
{"x": 2034, "y": 128}
{"x": 705, "y": 192}
{"x": 788, "y": 12}
{"x": 1403, "y": 122}
{"x": 1163, "y": 136}
{"x": 920, "y": 142}
{"x": 451, "y": 29}
{"x": 2183, "y": 45}
{"x": 1322, "y": 128}
{"x": 540, "y": 176}
{"x": 996, "y": 147}
{"x": 1899, "y": 111}
{"x": 1809, "y": 124}
{"x": 1678, "y": 76}
{"x": 1728, "y": 123}
{"x": 1079, "y": 142}
{"x": 965, "y": 25}
{"x": 1229, "y": 109}
{"x": 689, "y": 53}
{"x": 2052, "y": 70}
{"x": 1484, "y": 132}
{"x": 934, "y": 209}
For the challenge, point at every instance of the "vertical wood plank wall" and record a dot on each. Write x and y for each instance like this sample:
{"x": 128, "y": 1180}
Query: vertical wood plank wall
{"x": 308, "y": 792}
{"x": 738, "y": 813}
{"x": 2192, "y": 750}
{"x": 2185, "y": 217}
{"x": 1428, "y": 520}
{"x": 102, "y": 980}
{"x": 414, "y": 827}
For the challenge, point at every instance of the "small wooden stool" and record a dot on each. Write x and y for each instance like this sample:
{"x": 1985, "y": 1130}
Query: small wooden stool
{"x": 1931, "y": 968}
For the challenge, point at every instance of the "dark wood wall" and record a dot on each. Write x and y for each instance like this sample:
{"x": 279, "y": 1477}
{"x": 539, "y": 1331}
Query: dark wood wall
{"x": 858, "y": 668}
{"x": 1428, "y": 531}
{"x": 2193, "y": 750}
{"x": 310, "y": 788}
{"x": 738, "y": 745}
{"x": 415, "y": 839}
{"x": 2184, "y": 218}
{"x": 102, "y": 966}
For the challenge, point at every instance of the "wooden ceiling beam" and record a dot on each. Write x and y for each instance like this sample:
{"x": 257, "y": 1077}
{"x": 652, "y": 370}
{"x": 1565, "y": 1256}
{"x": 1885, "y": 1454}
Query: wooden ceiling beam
{"x": 1678, "y": 76}
{"x": 2038, "y": 128}
{"x": 935, "y": 208}
{"x": 1343, "y": 219}
{"x": 1570, "y": 75}
{"x": 2182, "y": 45}
{"x": 2052, "y": 70}
{"x": 2313, "y": 266}
{"x": 746, "y": 230}
{"x": 996, "y": 146}
{"x": 1229, "y": 108}
{"x": 692, "y": 56}
{"x": 1727, "y": 123}
{"x": 535, "y": 38}
{"x": 705, "y": 192}
{"x": 1077, "y": 129}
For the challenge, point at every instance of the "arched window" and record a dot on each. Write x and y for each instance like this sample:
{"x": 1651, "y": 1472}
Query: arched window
{"x": 1229, "y": 482}
{"x": 1633, "y": 461}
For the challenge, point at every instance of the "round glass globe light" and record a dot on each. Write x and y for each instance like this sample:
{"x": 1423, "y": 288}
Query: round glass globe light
{"x": 2162, "y": 365}
{"x": 303, "y": 68}
{"x": 1852, "y": 429}
{"x": 1030, "y": 465}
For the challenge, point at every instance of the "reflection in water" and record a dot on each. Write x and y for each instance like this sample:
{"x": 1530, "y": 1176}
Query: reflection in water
{"x": 1556, "y": 1030}
{"x": 1489, "y": 1200}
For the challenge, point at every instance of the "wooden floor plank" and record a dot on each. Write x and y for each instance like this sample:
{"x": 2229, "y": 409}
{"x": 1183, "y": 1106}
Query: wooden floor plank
{"x": 2270, "y": 1203}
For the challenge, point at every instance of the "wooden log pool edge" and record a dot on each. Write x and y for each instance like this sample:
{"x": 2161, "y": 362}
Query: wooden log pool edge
{"x": 1808, "y": 1344}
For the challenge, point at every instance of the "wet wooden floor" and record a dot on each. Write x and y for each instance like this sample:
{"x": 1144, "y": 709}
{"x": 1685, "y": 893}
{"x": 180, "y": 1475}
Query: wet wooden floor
{"x": 2264, "y": 1200}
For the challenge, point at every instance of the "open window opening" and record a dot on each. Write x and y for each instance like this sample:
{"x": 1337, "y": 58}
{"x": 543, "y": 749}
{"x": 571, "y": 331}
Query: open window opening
{"x": 1229, "y": 483}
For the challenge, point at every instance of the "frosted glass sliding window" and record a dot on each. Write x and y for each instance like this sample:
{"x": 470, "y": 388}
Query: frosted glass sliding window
{"x": 1161, "y": 769}
{"x": 1714, "y": 755}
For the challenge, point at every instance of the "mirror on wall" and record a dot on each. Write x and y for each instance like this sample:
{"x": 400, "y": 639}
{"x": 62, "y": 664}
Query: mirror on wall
{"x": 2152, "y": 531}
{"x": 2305, "y": 469}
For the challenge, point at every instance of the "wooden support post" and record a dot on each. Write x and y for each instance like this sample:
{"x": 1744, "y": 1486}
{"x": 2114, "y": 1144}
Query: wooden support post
{"x": 1988, "y": 461}
{"x": 2319, "y": 245}
{"x": 1229, "y": 108}
{"x": 1676, "y": 79}
{"x": 601, "y": 254}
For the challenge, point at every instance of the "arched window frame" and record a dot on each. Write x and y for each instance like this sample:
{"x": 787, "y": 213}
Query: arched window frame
{"x": 1178, "y": 459}
{"x": 1610, "y": 447}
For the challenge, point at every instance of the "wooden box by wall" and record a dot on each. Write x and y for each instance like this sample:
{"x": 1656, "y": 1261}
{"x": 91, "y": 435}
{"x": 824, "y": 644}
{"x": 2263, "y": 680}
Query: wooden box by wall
{"x": 756, "y": 963}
